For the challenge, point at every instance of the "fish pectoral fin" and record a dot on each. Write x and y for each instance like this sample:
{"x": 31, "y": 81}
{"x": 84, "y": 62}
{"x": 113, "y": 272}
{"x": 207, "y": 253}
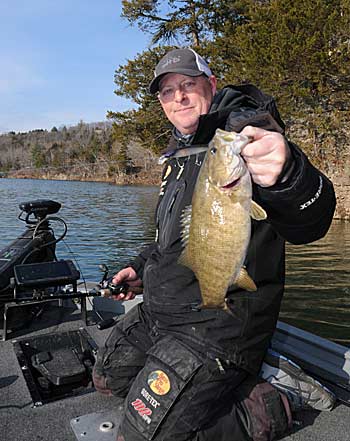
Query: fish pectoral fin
{"x": 257, "y": 212}
{"x": 183, "y": 259}
{"x": 245, "y": 281}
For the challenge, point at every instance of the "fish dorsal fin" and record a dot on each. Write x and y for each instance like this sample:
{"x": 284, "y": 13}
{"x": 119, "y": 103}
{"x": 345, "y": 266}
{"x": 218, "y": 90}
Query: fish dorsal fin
{"x": 257, "y": 212}
{"x": 185, "y": 221}
{"x": 244, "y": 281}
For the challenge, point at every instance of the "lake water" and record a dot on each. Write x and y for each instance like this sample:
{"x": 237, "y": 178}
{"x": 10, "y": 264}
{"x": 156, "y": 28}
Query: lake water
{"x": 109, "y": 224}
{"x": 317, "y": 296}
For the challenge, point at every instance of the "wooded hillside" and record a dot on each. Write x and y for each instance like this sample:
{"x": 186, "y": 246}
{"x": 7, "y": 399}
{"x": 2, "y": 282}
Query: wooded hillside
{"x": 82, "y": 152}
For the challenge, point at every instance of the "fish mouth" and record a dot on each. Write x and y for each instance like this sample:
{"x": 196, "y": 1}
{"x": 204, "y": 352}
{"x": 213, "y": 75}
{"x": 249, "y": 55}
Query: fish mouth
{"x": 232, "y": 184}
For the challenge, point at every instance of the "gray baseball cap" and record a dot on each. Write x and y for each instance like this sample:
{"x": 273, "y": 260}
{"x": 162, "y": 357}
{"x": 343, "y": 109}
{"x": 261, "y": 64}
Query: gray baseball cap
{"x": 182, "y": 61}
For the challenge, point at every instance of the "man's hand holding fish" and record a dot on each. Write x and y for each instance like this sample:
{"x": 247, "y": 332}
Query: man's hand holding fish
{"x": 266, "y": 155}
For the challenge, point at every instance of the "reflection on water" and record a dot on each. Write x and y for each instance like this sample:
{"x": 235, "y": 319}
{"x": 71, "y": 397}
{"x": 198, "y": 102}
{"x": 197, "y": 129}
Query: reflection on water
{"x": 317, "y": 296}
{"x": 109, "y": 224}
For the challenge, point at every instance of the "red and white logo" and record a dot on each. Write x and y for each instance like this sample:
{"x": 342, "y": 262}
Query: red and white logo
{"x": 142, "y": 409}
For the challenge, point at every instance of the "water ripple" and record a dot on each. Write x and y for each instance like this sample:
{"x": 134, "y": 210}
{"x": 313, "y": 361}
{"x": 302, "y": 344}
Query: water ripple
{"x": 317, "y": 296}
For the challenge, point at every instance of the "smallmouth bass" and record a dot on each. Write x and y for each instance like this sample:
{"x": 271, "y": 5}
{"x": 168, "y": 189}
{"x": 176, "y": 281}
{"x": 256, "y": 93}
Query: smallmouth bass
{"x": 217, "y": 226}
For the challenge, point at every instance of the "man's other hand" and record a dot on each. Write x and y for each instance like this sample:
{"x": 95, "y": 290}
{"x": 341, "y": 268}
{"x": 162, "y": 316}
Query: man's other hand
{"x": 126, "y": 275}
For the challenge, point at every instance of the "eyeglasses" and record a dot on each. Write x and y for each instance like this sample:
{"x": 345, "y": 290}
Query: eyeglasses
{"x": 167, "y": 93}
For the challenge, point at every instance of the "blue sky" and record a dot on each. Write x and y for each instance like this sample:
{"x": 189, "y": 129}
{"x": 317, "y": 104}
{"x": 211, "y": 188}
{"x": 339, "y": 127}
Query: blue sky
{"x": 57, "y": 61}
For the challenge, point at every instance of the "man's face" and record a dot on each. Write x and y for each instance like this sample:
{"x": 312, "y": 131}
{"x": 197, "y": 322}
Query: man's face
{"x": 185, "y": 98}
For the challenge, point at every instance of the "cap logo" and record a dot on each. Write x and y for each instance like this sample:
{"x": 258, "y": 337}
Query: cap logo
{"x": 171, "y": 61}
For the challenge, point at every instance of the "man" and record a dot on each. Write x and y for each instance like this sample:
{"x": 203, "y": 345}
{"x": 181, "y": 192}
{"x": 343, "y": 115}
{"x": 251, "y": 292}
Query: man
{"x": 189, "y": 373}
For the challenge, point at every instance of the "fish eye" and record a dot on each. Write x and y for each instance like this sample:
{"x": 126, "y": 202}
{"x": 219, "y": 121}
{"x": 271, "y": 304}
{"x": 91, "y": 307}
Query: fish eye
{"x": 213, "y": 150}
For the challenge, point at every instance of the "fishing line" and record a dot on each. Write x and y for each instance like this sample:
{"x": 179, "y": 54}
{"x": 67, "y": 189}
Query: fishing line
{"x": 83, "y": 279}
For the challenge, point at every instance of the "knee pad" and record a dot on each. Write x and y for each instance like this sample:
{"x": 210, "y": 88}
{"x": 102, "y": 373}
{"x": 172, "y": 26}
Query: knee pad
{"x": 169, "y": 368}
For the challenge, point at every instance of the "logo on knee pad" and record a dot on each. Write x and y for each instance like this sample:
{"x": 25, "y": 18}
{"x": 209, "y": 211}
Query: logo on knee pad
{"x": 159, "y": 382}
{"x": 142, "y": 410}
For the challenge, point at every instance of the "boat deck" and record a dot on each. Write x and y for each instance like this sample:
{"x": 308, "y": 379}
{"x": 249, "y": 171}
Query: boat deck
{"x": 79, "y": 417}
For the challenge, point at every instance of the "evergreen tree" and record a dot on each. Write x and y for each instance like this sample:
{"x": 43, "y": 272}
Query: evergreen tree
{"x": 181, "y": 22}
{"x": 123, "y": 160}
{"x": 38, "y": 156}
{"x": 285, "y": 45}
{"x": 147, "y": 123}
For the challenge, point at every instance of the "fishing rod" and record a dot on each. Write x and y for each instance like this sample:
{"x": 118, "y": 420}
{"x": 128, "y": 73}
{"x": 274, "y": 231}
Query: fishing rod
{"x": 41, "y": 293}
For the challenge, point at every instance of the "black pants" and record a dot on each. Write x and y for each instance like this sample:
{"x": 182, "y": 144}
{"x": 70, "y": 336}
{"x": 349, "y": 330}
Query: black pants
{"x": 171, "y": 392}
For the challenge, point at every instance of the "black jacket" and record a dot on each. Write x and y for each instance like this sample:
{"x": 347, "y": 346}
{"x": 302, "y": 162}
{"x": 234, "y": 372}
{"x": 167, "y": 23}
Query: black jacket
{"x": 299, "y": 210}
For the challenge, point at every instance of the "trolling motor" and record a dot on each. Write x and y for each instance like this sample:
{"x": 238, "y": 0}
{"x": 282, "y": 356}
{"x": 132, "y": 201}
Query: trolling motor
{"x": 36, "y": 244}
